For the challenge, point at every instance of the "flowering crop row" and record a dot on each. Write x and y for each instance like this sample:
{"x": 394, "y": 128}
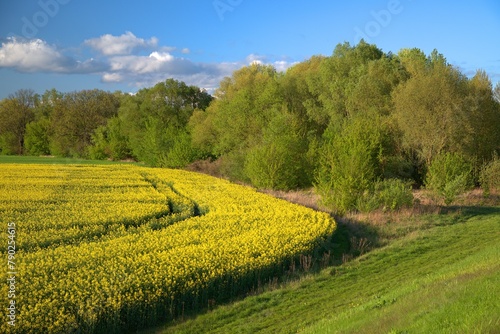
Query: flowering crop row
{"x": 68, "y": 205}
{"x": 134, "y": 245}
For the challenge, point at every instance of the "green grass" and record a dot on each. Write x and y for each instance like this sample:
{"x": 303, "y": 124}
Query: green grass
{"x": 426, "y": 273}
{"x": 443, "y": 277}
{"x": 16, "y": 159}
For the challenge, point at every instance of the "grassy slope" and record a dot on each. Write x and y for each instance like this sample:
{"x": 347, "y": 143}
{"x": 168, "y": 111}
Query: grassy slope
{"x": 443, "y": 278}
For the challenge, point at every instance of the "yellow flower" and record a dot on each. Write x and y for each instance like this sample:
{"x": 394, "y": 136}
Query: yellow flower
{"x": 97, "y": 241}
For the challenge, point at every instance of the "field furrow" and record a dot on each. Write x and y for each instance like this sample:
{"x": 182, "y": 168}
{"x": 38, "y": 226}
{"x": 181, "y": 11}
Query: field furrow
{"x": 114, "y": 248}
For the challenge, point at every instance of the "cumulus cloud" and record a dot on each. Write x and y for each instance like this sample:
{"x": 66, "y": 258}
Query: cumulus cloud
{"x": 254, "y": 59}
{"x": 283, "y": 65}
{"x": 38, "y": 56}
{"x": 125, "y": 44}
{"x": 112, "y": 77}
{"x": 145, "y": 71}
{"x": 280, "y": 65}
{"x": 155, "y": 62}
{"x": 120, "y": 63}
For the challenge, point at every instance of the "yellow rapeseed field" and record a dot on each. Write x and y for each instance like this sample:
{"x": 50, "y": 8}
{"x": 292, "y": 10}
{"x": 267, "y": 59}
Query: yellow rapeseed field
{"x": 108, "y": 248}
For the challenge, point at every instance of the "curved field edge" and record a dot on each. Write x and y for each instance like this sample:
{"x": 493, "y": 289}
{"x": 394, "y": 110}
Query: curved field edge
{"x": 239, "y": 238}
{"x": 74, "y": 204}
{"x": 445, "y": 279}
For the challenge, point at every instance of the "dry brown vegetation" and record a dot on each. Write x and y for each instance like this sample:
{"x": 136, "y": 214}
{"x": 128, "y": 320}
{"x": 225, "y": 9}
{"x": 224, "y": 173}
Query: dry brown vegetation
{"x": 361, "y": 232}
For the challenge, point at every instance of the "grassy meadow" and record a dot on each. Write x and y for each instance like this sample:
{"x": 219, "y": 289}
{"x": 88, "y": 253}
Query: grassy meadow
{"x": 435, "y": 272}
{"x": 442, "y": 277}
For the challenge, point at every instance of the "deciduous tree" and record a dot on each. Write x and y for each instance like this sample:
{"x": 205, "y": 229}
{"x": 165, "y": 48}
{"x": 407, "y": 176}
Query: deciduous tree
{"x": 75, "y": 118}
{"x": 15, "y": 113}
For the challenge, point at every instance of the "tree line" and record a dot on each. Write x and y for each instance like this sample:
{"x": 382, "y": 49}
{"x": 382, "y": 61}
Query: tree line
{"x": 360, "y": 126}
{"x": 150, "y": 126}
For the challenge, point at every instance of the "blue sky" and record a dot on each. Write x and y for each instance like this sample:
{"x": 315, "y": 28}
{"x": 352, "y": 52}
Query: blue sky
{"x": 127, "y": 45}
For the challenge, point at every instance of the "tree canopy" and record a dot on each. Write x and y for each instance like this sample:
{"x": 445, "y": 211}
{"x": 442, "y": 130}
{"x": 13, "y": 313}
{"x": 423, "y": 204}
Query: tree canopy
{"x": 343, "y": 123}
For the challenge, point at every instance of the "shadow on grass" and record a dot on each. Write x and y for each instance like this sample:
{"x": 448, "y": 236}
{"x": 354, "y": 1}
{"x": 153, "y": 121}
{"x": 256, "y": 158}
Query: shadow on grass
{"x": 471, "y": 211}
{"x": 355, "y": 235}
{"x": 358, "y": 234}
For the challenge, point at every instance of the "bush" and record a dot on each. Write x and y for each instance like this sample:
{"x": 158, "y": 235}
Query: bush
{"x": 180, "y": 154}
{"x": 490, "y": 176}
{"x": 99, "y": 149}
{"x": 345, "y": 174}
{"x": 280, "y": 160}
{"x": 267, "y": 166}
{"x": 36, "y": 139}
{"x": 350, "y": 162}
{"x": 8, "y": 144}
{"x": 388, "y": 195}
{"x": 449, "y": 175}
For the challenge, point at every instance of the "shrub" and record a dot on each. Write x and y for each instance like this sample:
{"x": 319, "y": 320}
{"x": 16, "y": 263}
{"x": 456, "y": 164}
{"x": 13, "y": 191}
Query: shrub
{"x": 100, "y": 148}
{"x": 266, "y": 167}
{"x": 180, "y": 154}
{"x": 388, "y": 195}
{"x": 8, "y": 144}
{"x": 36, "y": 139}
{"x": 449, "y": 175}
{"x": 279, "y": 161}
{"x": 490, "y": 176}
{"x": 345, "y": 174}
{"x": 350, "y": 162}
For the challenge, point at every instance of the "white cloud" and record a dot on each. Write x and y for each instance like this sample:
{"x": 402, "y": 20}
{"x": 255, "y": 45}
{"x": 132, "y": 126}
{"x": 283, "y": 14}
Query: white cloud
{"x": 253, "y": 59}
{"x": 162, "y": 57}
{"x": 31, "y": 56}
{"x": 38, "y": 56}
{"x": 112, "y": 77}
{"x": 145, "y": 71}
{"x": 125, "y": 44}
{"x": 283, "y": 65}
{"x": 119, "y": 64}
{"x": 155, "y": 62}
{"x": 279, "y": 65}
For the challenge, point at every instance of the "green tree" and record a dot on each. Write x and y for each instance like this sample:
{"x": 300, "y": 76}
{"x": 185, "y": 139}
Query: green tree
{"x": 280, "y": 160}
{"x": 75, "y": 118}
{"x": 118, "y": 142}
{"x": 99, "y": 150}
{"x": 204, "y": 134}
{"x": 481, "y": 123}
{"x": 16, "y": 112}
{"x": 449, "y": 175}
{"x": 309, "y": 120}
{"x": 39, "y": 132}
{"x": 339, "y": 76}
{"x": 109, "y": 142}
{"x": 245, "y": 103}
{"x": 299, "y": 99}
{"x": 414, "y": 61}
{"x": 154, "y": 117}
{"x": 372, "y": 90}
{"x": 234, "y": 122}
{"x": 37, "y": 137}
{"x": 181, "y": 151}
{"x": 351, "y": 161}
{"x": 490, "y": 176}
{"x": 430, "y": 109}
